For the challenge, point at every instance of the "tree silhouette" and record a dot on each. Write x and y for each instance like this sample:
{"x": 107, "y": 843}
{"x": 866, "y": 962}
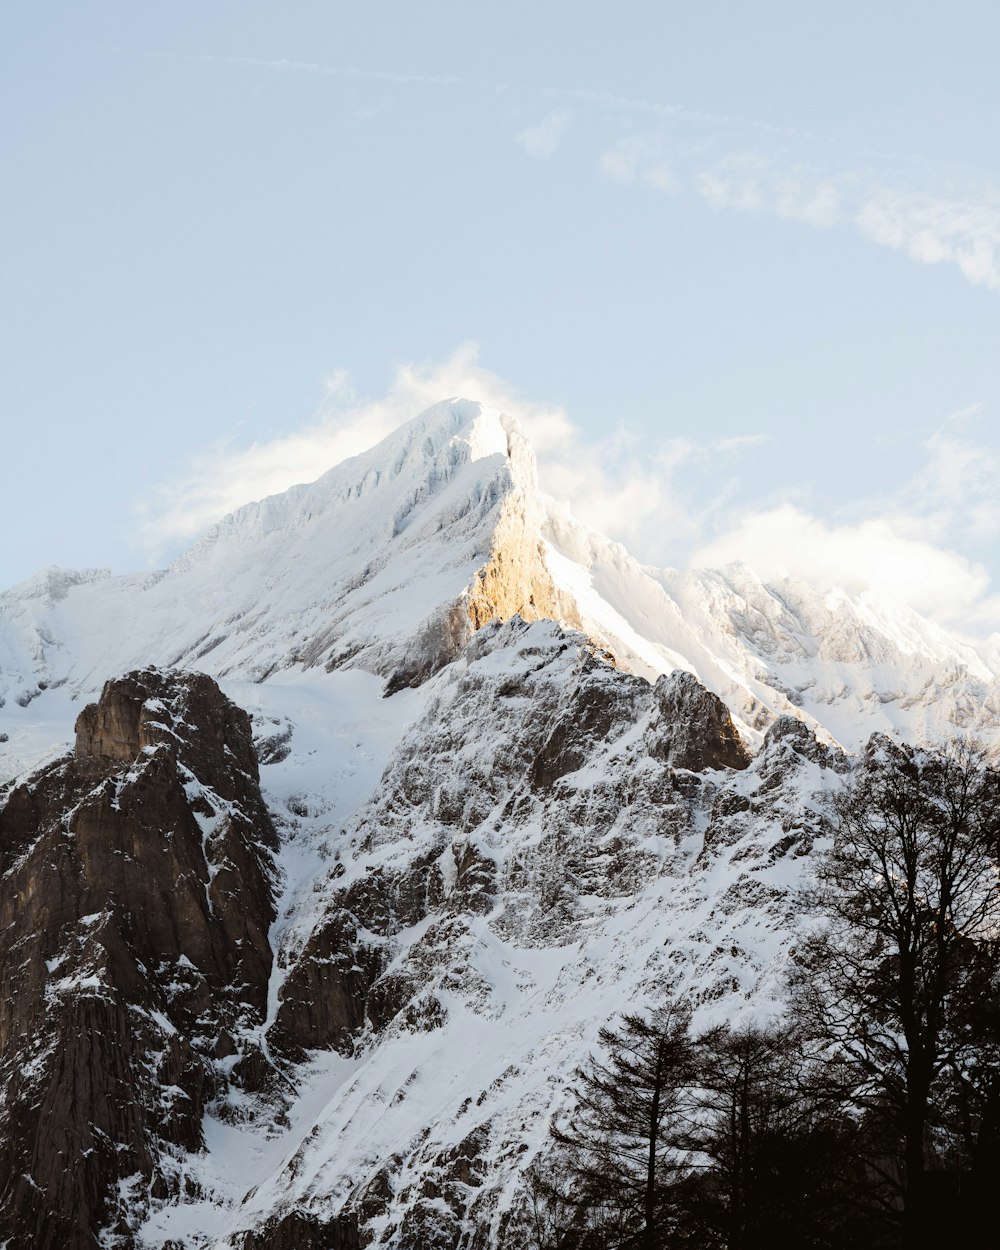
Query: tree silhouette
{"x": 772, "y": 1150}
{"x": 619, "y": 1146}
{"x": 890, "y": 982}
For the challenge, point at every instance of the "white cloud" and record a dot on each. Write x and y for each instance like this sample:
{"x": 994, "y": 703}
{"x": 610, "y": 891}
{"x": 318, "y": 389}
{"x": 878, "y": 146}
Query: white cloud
{"x": 914, "y": 544}
{"x": 958, "y": 490}
{"x": 225, "y": 475}
{"x": 924, "y": 225}
{"x": 643, "y": 496}
{"x": 875, "y": 553}
{"x": 934, "y": 229}
{"x": 674, "y": 501}
{"x": 621, "y": 162}
{"x": 640, "y": 156}
{"x": 650, "y": 496}
{"x": 896, "y": 203}
{"x": 286, "y": 66}
{"x": 541, "y": 141}
{"x": 750, "y": 182}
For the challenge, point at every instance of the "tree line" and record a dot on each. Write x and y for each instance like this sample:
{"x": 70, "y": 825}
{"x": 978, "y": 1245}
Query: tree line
{"x": 869, "y": 1115}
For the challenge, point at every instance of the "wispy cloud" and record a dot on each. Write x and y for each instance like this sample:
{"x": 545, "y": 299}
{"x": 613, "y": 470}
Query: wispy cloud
{"x": 914, "y": 542}
{"x": 935, "y": 229}
{"x": 752, "y": 183}
{"x": 226, "y": 475}
{"x": 912, "y": 215}
{"x": 675, "y": 500}
{"x": 652, "y": 495}
{"x": 873, "y": 554}
{"x": 933, "y": 213}
{"x": 541, "y": 141}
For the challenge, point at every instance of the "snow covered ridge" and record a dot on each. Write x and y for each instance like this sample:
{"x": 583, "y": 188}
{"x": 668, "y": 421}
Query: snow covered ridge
{"x": 389, "y": 562}
{"x": 550, "y": 838}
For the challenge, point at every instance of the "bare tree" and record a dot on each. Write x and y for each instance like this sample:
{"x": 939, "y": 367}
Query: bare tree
{"x": 910, "y": 903}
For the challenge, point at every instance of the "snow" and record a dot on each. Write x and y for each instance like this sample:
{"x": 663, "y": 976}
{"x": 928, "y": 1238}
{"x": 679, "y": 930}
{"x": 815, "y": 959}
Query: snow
{"x": 301, "y": 605}
{"x": 515, "y": 1018}
{"x": 362, "y": 567}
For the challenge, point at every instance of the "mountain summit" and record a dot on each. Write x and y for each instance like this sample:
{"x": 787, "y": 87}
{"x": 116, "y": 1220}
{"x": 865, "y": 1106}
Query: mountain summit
{"x": 386, "y": 562}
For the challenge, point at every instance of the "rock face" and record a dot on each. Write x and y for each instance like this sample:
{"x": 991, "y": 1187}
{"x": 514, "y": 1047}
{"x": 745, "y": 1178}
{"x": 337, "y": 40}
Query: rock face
{"x": 551, "y": 841}
{"x": 384, "y": 1038}
{"x": 693, "y": 728}
{"x": 135, "y": 901}
{"x": 300, "y": 1231}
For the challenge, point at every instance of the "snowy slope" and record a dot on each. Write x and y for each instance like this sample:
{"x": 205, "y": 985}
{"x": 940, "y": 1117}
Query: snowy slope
{"x": 846, "y": 665}
{"x": 518, "y": 887}
{"x": 362, "y": 567}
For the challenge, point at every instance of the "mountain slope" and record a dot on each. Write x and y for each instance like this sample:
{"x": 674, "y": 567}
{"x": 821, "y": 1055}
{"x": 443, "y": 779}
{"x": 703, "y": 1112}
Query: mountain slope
{"x": 590, "y": 782}
{"x": 845, "y": 665}
{"x": 384, "y": 562}
{"x": 552, "y": 841}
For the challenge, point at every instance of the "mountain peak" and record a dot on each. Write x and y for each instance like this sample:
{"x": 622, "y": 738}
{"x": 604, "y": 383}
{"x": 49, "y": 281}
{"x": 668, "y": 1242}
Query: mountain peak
{"x": 391, "y": 560}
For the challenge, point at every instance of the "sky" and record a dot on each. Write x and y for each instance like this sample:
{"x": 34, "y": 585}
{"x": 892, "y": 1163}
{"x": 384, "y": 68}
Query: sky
{"x": 735, "y": 267}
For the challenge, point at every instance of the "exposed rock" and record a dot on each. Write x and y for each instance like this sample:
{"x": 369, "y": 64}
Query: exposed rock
{"x": 513, "y": 582}
{"x": 300, "y": 1230}
{"x": 323, "y": 996}
{"x": 694, "y": 729}
{"x": 135, "y": 904}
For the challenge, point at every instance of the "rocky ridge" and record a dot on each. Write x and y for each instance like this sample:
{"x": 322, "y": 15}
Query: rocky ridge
{"x": 390, "y": 561}
{"x": 553, "y": 840}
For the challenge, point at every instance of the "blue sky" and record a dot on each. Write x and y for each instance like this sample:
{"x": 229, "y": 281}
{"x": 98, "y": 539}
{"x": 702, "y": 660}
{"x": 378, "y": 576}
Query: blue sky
{"x": 737, "y": 266}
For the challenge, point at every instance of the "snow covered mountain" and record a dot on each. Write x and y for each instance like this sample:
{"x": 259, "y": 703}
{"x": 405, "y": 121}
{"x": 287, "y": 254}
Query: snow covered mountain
{"x": 391, "y": 560}
{"x": 511, "y": 782}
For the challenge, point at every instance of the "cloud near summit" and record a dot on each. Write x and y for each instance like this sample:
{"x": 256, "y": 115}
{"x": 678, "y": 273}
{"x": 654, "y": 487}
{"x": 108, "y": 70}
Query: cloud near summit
{"x": 624, "y": 488}
{"x": 677, "y": 501}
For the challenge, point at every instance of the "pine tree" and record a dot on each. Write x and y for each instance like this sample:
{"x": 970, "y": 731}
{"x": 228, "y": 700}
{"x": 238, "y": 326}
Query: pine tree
{"x": 619, "y": 1146}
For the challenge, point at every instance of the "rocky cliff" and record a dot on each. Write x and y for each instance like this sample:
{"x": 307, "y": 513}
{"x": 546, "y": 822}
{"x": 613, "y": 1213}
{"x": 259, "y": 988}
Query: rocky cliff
{"x": 552, "y": 840}
{"x": 135, "y": 902}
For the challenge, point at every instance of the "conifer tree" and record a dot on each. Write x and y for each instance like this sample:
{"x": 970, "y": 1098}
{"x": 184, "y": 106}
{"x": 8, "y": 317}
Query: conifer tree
{"x": 619, "y": 1146}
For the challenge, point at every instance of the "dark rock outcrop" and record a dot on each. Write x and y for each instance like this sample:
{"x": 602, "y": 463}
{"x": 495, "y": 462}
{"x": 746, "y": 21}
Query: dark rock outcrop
{"x": 299, "y": 1230}
{"x": 135, "y": 902}
{"x": 693, "y": 729}
{"x": 553, "y": 735}
{"x": 323, "y": 995}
